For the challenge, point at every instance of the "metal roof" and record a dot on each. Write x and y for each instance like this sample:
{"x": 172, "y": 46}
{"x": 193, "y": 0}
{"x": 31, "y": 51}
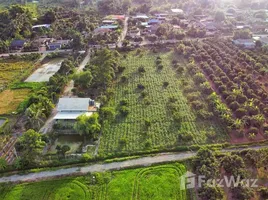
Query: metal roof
{"x": 71, "y": 115}
{"x": 73, "y": 104}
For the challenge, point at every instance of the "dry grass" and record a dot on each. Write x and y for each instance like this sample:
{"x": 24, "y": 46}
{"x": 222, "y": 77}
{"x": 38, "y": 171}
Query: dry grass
{"x": 10, "y": 100}
{"x": 10, "y": 71}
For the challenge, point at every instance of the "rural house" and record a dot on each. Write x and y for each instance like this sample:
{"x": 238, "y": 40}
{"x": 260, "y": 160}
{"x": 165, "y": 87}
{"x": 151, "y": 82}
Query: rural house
{"x": 71, "y": 108}
{"x": 17, "y": 44}
{"x": 245, "y": 43}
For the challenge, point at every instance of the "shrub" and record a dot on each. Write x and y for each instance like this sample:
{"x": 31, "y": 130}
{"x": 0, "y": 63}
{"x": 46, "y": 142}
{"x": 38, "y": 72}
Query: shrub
{"x": 123, "y": 141}
{"x": 234, "y": 105}
{"x": 253, "y": 130}
{"x": 140, "y": 87}
{"x": 124, "y": 110}
{"x": 143, "y": 94}
{"x": 86, "y": 157}
{"x": 141, "y": 69}
{"x": 160, "y": 67}
{"x": 185, "y": 136}
{"x": 197, "y": 105}
{"x": 124, "y": 102}
{"x": 121, "y": 69}
{"x": 123, "y": 79}
{"x": 203, "y": 114}
{"x": 241, "y": 98}
{"x": 147, "y": 122}
{"x": 81, "y": 94}
{"x": 240, "y": 112}
{"x": 148, "y": 143}
{"x": 165, "y": 84}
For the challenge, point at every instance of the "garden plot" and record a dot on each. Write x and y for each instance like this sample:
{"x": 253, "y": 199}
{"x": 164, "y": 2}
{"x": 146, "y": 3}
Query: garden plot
{"x": 73, "y": 141}
{"x": 45, "y": 71}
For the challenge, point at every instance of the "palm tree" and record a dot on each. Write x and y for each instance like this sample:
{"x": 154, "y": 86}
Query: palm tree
{"x": 35, "y": 115}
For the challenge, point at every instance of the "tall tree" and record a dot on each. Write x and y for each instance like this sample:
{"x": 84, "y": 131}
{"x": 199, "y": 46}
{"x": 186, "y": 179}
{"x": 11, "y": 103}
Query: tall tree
{"x": 30, "y": 145}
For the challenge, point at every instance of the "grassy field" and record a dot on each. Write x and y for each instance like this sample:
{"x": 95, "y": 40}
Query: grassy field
{"x": 12, "y": 70}
{"x": 10, "y": 100}
{"x": 128, "y": 134}
{"x": 159, "y": 182}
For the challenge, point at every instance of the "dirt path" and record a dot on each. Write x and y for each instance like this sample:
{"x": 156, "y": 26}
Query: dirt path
{"x": 144, "y": 161}
{"x": 66, "y": 93}
{"x": 124, "y": 33}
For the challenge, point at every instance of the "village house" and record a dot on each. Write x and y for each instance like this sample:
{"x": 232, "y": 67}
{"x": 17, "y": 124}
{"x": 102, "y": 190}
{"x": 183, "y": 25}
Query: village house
{"x": 134, "y": 33}
{"x": 108, "y": 22}
{"x": 71, "y": 108}
{"x": 245, "y": 43}
{"x": 141, "y": 17}
{"x": 17, "y": 44}
{"x": 59, "y": 44}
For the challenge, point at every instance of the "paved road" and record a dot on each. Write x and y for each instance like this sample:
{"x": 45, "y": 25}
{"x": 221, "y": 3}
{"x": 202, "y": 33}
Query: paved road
{"x": 144, "y": 161}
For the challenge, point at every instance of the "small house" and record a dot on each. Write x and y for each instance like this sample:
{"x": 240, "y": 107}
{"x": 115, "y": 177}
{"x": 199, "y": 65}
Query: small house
{"x": 71, "y": 108}
{"x": 134, "y": 33}
{"x": 245, "y": 43}
{"x": 111, "y": 27}
{"x": 108, "y": 22}
{"x": 141, "y": 17}
{"x": 154, "y": 22}
{"x": 17, "y": 44}
{"x": 59, "y": 44}
{"x": 176, "y": 11}
{"x": 101, "y": 31}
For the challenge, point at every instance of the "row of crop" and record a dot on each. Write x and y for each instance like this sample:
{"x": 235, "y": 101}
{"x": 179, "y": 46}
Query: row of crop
{"x": 219, "y": 70}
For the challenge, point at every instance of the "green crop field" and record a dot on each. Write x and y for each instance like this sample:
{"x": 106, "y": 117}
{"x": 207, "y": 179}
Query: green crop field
{"x": 128, "y": 134}
{"x": 159, "y": 182}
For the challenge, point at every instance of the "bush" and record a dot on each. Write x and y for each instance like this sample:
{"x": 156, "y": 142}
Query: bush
{"x": 185, "y": 136}
{"x": 140, "y": 87}
{"x": 86, "y": 157}
{"x": 121, "y": 69}
{"x": 143, "y": 94}
{"x": 165, "y": 84}
{"x": 123, "y": 79}
{"x": 141, "y": 69}
{"x": 123, "y": 141}
{"x": 124, "y": 110}
{"x": 81, "y": 94}
{"x": 124, "y": 102}
{"x": 160, "y": 67}
{"x": 240, "y": 113}
{"x": 253, "y": 130}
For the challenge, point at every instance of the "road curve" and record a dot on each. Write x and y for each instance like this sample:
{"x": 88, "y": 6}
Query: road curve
{"x": 144, "y": 161}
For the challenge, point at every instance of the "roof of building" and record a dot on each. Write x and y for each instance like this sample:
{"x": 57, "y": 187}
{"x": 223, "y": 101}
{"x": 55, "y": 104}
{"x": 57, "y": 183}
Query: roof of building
{"x": 109, "y": 27}
{"x": 244, "y": 41}
{"x": 115, "y": 17}
{"x": 176, "y": 10}
{"x": 71, "y": 115}
{"x": 108, "y": 21}
{"x": 153, "y": 21}
{"x": 144, "y": 23}
{"x": 17, "y": 43}
{"x": 73, "y": 104}
{"x": 141, "y": 16}
{"x": 41, "y": 25}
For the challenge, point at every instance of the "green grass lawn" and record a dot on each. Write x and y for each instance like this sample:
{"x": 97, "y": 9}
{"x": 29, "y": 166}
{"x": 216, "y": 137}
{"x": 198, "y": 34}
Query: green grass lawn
{"x": 157, "y": 183}
{"x": 163, "y": 133}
